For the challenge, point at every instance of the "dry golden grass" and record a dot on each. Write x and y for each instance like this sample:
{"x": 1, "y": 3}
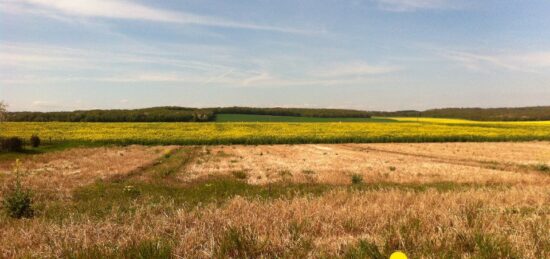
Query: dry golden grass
{"x": 392, "y": 218}
{"x": 400, "y": 163}
{"x": 59, "y": 173}
{"x": 505, "y": 152}
{"x": 490, "y": 206}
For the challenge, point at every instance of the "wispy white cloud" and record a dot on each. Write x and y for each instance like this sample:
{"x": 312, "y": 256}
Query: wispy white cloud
{"x": 44, "y": 57}
{"x": 259, "y": 79}
{"x": 355, "y": 69}
{"x": 124, "y": 9}
{"x": 50, "y": 64}
{"x": 245, "y": 79}
{"x": 344, "y": 75}
{"x": 529, "y": 62}
{"x": 16, "y": 7}
{"x": 39, "y": 104}
{"x": 33, "y": 64}
{"x": 414, "y": 5}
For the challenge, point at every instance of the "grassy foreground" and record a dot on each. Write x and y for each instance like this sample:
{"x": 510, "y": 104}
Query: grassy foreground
{"x": 407, "y": 130}
{"x": 139, "y": 202}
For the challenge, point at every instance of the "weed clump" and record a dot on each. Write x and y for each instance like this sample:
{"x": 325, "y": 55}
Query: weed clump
{"x": 356, "y": 179}
{"x": 35, "y": 141}
{"x": 494, "y": 247}
{"x": 363, "y": 249}
{"x": 142, "y": 249}
{"x": 543, "y": 168}
{"x": 18, "y": 202}
{"x": 13, "y": 144}
{"x": 131, "y": 191}
{"x": 307, "y": 171}
{"x": 241, "y": 175}
{"x": 239, "y": 243}
{"x": 285, "y": 174}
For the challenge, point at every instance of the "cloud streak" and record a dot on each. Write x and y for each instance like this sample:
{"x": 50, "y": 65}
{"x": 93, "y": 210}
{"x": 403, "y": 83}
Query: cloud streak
{"x": 128, "y": 10}
{"x": 415, "y": 5}
{"x": 355, "y": 69}
{"x": 530, "y": 62}
{"x": 50, "y": 64}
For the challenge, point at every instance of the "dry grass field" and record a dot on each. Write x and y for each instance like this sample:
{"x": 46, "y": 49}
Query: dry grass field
{"x": 433, "y": 200}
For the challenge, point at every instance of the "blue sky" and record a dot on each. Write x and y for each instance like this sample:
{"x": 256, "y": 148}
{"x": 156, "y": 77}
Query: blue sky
{"x": 361, "y": 54}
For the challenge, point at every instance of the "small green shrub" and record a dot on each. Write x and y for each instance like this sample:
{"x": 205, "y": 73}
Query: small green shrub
{"x": 356, "y": 179}
{"x": 18, "y": 202}
{"x": 147, "y": 249}
{"x": 543, "y": 168}
{"x": 144, "y": 249}
{"x": 239, "y": 243}
{"x": 363, "y": 249}
{"x": 13, "y": 144}
{"x": 132, "y": 191}
{"x": 307, "y": 171}
{"x": 240, "y": 175}
{"x": 285, "y": 174}
{"x": 300, "y": 244}
{"x": 35, "y": 141}
{"x": 494, "y": 247}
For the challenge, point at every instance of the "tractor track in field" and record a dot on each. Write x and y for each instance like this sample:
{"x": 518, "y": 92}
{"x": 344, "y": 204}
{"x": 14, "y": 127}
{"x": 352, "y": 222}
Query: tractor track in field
{"x": 511, "y": 167}
{"x": 165, "y": 166}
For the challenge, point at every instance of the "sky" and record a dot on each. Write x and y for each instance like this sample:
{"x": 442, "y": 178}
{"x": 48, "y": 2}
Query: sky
{"x": 360, "y": 54}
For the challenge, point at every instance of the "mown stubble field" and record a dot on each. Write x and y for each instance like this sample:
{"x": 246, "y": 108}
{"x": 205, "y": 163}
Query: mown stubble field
{"x": 436, "y": 200}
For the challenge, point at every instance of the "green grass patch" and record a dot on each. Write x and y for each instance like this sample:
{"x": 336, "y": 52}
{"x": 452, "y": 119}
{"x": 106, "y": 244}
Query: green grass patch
{"x": 356, "y": 179}
{"x": 240, "y": 243}
{"x": 488, "y": 246}
{"x": 172, "y": 163}
{"x": 542, "y": 168}
{"x": 363, "y": 249}
{"x": 475, "y": 245}
{"x": 48, "y": 148}
{"x": 144, "y": 249}
{"x": 241, "y": 175}
{"x": 422, "y": 187}
{"x": 106, "y": 197}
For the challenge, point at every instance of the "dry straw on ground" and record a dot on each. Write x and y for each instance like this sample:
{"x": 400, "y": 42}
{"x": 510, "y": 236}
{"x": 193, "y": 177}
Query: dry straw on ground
{"x": 488, "y": 200}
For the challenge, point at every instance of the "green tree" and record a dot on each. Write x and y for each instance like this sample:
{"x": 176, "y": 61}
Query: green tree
{"x": 3, "y": 111}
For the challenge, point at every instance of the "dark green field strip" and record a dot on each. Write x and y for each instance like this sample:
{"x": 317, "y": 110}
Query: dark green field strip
{"x": 269, "y": 118}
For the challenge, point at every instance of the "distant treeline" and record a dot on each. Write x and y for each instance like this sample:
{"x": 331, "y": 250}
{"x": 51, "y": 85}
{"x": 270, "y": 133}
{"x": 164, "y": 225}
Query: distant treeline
{"x": 480, "y": 114}
{"x": 298, "y": 112}
{"x": 182, "y": 114}
{"x": 159, "y": 114}
{"x": 175, "y": 114}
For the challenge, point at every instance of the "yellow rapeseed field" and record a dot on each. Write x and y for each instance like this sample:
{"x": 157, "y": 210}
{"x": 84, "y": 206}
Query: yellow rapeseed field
{"x": 405, "y": 130}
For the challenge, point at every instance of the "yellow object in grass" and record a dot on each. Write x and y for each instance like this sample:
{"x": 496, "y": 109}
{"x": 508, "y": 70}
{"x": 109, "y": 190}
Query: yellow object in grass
{"x": 398, "y": 255}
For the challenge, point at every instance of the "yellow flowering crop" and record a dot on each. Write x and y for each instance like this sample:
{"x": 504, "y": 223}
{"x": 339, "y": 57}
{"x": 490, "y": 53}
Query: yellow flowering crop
{"x": 406, "y": 130}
